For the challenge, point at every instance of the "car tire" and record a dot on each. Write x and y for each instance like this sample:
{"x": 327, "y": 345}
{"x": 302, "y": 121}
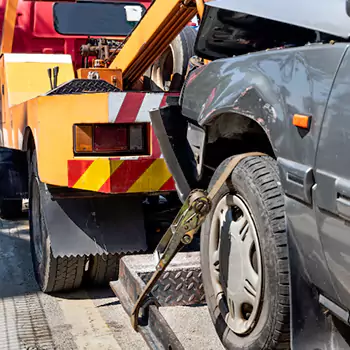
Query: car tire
{"x": 171, "y": 66}
{"x": 235, "y": 252}
{"x": 53, "y": 274}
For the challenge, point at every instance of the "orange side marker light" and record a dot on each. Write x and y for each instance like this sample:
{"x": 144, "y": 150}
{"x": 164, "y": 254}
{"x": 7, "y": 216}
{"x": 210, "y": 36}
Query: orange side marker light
{"x": 301, "y": 121}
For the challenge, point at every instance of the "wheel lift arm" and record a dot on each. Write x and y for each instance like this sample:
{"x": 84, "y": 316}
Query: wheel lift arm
{"x": 180, "y": 233}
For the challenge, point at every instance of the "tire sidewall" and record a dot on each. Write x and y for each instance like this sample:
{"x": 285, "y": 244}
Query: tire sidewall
{"x": 40, "y": 267}
{"x": 259, "y": 336}
{"x": 181, "y": 49}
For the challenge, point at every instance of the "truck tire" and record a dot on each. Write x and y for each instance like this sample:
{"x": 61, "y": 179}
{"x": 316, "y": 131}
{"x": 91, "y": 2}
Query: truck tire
{"x": 52, "y": 274}
{"x": 10, "y": 208}
{"x": 104, "y": 268}
{"x": 244, "y": 258}
{"x": 172, "y": 64}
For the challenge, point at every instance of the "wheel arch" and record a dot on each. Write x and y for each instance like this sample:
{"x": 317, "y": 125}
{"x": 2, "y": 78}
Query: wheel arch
{"x": 28, "y": 140}
{"x": 230, "y": 133}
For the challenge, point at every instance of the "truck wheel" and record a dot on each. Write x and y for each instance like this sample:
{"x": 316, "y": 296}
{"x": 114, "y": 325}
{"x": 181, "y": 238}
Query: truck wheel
{"x": 169, "y": 71}
{"x": 52, "y": 274}
{"x": 10, "y": 209}
{"x": 105, "y": 268}
{"x": 244, "y": 258}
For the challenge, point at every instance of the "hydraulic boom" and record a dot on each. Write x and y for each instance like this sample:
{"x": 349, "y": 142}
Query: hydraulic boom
{"x": 161, "y": 24}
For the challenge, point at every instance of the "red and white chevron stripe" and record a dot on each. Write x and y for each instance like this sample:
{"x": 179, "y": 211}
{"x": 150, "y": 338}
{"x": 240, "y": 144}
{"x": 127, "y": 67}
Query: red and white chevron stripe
{"x": 134, "y": 107}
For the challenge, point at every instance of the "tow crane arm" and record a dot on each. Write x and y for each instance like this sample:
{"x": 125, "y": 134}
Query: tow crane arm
{"x": 180, "y": 233}
{"x": 162, "y": 22}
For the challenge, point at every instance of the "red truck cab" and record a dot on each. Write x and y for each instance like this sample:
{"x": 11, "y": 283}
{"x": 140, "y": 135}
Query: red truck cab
{"x": 35, "y": 32}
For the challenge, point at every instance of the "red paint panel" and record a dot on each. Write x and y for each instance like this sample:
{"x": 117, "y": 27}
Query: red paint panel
{"x": 156, "y": 152}
{"x": 106, "y": 187}
{"x": 130, "y": 107}
{"x": 169, "y": 185}
{"x": 163, "y": 102}
{"x": 127, "y": 174}
{"x": 155, "y": 145}
{"x": 76, "y": 168}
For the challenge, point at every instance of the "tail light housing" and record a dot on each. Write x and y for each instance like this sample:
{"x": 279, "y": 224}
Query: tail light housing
{"x": 111, "y": 139}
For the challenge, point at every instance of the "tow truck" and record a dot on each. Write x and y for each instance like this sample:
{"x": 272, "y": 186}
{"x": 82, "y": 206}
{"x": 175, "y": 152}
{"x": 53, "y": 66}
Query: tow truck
{"x": 75, "y": 135}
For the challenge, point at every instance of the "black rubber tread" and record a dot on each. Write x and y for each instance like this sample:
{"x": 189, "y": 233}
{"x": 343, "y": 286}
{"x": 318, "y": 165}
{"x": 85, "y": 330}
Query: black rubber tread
{"x": 256, "y": 179}
{"x": 182, "y": 48}
{"x": 103, "y": 269}
{"x": 187, "y": 37}
{"x": 53, "y": 274}
{"x": 63, "y": 274}
{"x": 10, "y": 209}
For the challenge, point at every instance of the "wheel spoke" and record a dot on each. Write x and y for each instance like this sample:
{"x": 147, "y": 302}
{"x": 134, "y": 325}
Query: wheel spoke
{"x": 247, "y": 241}
{"x": 216, "y": 259}
{"x": 239, "y": 228}
{"x": 236, "y": 318}
{"x": 250, "y": 291}
{"x": 251, "y": 278}
{"x": 236, "y": 307}
{"x": 225, "y": 219}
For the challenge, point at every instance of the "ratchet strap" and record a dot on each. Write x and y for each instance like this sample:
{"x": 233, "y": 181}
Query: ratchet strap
{"x": 228, "y": 170}
{"x": 180, "y": 233}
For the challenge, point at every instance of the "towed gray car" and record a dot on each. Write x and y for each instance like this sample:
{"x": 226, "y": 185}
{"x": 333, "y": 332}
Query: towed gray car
{"x": 275, "y": 248}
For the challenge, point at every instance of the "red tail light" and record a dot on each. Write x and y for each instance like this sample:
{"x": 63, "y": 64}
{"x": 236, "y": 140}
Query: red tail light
{"x": 111, "y": 139}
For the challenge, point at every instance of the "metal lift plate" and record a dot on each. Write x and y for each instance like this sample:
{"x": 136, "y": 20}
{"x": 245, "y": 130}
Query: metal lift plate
{"x": 181, "y": 284}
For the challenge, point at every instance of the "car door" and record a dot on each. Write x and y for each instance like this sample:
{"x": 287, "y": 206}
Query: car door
{"x": 332, "y": 177}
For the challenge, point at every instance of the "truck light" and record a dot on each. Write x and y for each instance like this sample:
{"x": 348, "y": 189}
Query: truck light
{"x": 83, "y": 138}
{"x": 111, "y": 139}
{"x": 136, "y": 137}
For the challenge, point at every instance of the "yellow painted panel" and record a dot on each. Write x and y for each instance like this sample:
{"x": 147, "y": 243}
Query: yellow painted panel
{"x": 153, "y": 178}
{"x": 26, "y": 78}
{"x": 97, "y": 174}
{"x": 54, "y": 117}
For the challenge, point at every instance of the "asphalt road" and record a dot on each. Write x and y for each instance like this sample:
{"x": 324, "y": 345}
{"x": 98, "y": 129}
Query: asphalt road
{"x": 85, "y": 319}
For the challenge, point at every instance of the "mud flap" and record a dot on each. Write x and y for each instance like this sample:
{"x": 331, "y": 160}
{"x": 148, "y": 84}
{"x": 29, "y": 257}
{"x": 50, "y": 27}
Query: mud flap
{"x": 13, "y": 174}
{"x": 312, "y": 327}
{"x": 90, "y": 226}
